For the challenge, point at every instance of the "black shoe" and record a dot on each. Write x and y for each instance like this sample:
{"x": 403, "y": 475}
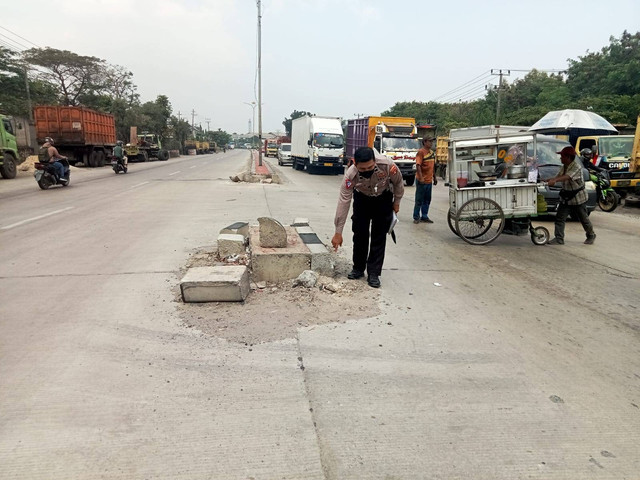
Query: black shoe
{"x": 426, "y": 220}
{"x": 355, "y": 274}
{"x": 373, "y": 281}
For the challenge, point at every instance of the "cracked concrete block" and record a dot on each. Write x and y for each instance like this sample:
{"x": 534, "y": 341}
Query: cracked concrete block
{"x": 321, "y": 259}
{"x": 215, "y": 284}
{"x": 278, "y": 264}
{"x": 229, "y": 244}
{"x": 272, "y": 233}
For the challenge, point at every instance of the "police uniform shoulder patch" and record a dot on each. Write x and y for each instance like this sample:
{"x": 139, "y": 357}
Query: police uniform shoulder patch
{"x": 393, "y": 170}
{"x": 347, "y": 183}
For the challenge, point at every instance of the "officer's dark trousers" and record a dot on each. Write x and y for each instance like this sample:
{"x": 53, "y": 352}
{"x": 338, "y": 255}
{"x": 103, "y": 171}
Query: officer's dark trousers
{"x": 377, "y": 212}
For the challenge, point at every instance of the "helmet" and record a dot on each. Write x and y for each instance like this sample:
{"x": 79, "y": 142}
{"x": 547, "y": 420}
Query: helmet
{"x": 586, "y": 153}
{"x": 48, "y": 140}
{"x": 119, "y": 143}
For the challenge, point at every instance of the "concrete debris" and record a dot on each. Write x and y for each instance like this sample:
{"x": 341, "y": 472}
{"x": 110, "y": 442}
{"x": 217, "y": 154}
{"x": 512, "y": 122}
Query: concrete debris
{"x": 307, "y": 279}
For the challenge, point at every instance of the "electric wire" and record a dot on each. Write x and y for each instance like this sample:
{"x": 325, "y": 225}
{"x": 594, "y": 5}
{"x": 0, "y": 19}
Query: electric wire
{"x": 486, "y": 74}
{"x": 478, "y": 86}
{"x": 22, "y": 38}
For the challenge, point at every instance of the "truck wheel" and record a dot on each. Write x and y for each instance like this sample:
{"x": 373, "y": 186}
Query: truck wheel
{"x": 410, "y": 180}
{"x": 100, "y": 159}
{"x": 8, "y": 170}
{"x": 163, "y": 155}
{"x": 93, "y": 159}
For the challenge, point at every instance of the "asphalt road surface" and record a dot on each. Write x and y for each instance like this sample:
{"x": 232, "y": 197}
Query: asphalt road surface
{"x": 509, "y": 361}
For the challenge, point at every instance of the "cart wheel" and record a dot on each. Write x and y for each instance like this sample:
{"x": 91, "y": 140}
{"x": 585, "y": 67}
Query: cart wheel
{"x": 480, "y": 221}
{"x": 451, "y": 221}
{"x": 540, "y": 236}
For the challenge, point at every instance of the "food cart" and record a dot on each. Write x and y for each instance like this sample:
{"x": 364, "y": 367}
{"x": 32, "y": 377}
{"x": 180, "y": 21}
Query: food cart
{"x": 493, "y": 187}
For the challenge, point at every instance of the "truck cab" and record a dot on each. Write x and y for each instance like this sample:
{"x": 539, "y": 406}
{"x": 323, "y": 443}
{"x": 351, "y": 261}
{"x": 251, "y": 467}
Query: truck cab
{"x": 317, "y": 144}
{"x": 272, "y": 149}
{"x": 8, "y": 149}
{"x": 401, "y": 144}
{"x": 612, "y": 152}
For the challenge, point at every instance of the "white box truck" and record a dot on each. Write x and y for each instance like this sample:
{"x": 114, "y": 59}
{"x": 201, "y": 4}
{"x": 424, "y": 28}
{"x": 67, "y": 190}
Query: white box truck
{"x": 317, "y": 144}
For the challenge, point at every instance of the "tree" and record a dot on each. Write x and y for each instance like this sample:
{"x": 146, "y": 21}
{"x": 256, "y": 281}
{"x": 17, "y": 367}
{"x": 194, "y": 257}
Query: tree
{"x": 220, "y": 137}
{"x": 73, "y": 75}
{"x": 155, "y": 116}
{"x": 295, "y": 114}
{"x": 13, "y": 91}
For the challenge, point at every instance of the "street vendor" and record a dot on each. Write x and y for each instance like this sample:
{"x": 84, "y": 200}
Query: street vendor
{"x": 573, "y": 197}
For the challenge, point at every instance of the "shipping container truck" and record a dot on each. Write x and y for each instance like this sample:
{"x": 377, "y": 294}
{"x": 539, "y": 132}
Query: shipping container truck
{"x": 317, "y": 144}
{"x": 80, "y": 134}
{"x": 395, "y": 137}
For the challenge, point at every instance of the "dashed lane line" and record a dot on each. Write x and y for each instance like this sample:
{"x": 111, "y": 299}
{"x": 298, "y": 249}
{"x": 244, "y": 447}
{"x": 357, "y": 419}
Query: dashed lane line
{"x": 174, "y": 173}
{"x": 33, "y": 219}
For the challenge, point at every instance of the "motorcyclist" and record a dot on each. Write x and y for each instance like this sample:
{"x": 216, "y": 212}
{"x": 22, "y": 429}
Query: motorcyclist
{"x": 587, "y": 154}
{"x": 118, "y": 152}
{"x": 49, "y": 154}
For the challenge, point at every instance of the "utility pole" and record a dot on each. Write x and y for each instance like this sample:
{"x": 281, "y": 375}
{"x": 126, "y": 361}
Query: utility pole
{"x": 179, "y": 116}
{"x": 252, "y": 124}
{"x": 501, "y": 73}
{"x": 193, "y": 125}
{"x": 207, "y": 120}
{"x": 28, "y": 92}
{"x": 259, "y": 82}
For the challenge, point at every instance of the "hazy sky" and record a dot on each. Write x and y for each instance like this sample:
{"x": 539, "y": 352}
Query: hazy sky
{"x": 330, "y": 57}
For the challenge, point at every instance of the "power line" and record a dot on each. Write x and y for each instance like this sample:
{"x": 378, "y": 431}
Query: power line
{"x": 10, "y": 44}
{"x": 469, "y": 90}
{"x": 446, "y": 94}
{"x": 479, "y": 83}
{"x": 13, "y": 33}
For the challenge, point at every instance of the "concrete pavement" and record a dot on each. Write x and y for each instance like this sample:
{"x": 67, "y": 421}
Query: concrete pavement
{"x": 521, "y": 363}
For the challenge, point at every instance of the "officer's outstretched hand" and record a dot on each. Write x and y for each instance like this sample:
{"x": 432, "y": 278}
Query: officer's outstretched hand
{"x": 396, "y": 207}
{"x": 336, "y": 241}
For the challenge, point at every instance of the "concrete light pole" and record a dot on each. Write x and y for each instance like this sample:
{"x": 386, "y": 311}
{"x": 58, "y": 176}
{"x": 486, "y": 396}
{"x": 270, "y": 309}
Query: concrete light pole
{"x": 253, "y": 123}
{"x": 258, "y": 2}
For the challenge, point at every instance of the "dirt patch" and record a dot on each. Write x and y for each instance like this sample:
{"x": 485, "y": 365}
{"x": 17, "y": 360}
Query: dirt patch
{"x": 27, "y": 167}
{"x": 275, "y": 311}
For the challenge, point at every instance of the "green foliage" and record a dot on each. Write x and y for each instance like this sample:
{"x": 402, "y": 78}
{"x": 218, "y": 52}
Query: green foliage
{"x": 13, "y": 90}
{"x": 73, "y": 74}
{"x": 220, "y": 137}
{"x": 606, "y": 82}
{"x": 295, "y": 114}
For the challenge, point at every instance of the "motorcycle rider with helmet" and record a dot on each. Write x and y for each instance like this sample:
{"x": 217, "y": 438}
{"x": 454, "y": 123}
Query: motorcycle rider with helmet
{"x": 49, "y": 154}
{"x": 118, "y": 152}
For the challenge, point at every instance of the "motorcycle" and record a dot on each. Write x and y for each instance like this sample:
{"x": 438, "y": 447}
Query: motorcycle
{"x": 119, "y": 165}
{"x": 46, "y": 177}
{"x": 607, "y": 197}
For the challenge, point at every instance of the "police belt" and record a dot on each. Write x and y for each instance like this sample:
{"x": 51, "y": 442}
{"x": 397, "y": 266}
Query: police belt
{"x": 388, "y": 190}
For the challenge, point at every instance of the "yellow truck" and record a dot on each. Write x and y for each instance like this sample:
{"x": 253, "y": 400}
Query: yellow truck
{"x": 396, "y": 137}
{"x": 621, "y": 155}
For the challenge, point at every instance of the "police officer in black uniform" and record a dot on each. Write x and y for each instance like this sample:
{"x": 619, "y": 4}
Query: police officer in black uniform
{"x": 376, "y": 186}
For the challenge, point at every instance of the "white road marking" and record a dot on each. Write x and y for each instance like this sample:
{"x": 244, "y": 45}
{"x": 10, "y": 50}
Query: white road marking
{"x": 174, "y": 173}
{"x": 17, "y": 224}
{"x": 140, "y": 184}
{"x": 194, "y": 166}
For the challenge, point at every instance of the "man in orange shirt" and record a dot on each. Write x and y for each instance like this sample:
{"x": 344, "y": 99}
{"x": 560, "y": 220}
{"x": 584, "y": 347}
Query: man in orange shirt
{"x": 425, "y": 179}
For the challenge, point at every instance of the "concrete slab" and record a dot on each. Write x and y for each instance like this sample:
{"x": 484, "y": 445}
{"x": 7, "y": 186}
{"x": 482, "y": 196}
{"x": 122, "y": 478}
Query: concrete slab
{"x": 300, "y": 222}
{"x": 215, "y": 284}
{"x": 278, "y": 264}
{"x": 304, "y": 229}
{"x": 238, "y": 228}
{"x": 230, "y": 244}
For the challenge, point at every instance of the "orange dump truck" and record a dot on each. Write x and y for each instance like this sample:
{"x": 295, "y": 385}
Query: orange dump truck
{"x": 81, "y": 134}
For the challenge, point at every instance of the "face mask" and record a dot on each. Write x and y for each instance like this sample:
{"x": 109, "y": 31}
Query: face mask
{"x": 366, "y": 174}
